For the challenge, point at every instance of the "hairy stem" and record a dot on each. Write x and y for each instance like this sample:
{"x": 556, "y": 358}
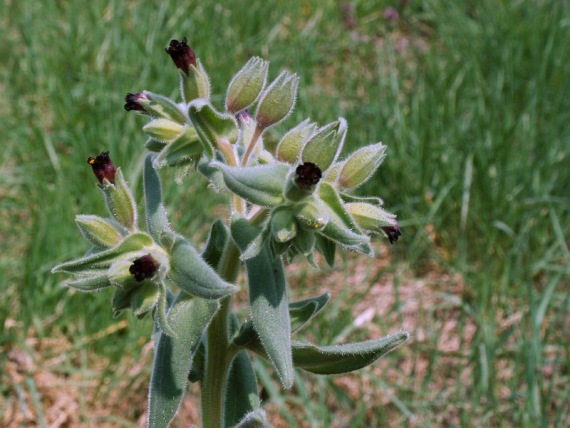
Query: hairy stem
{"x": 219, "y": 353}
{"x": 256, "y": 134}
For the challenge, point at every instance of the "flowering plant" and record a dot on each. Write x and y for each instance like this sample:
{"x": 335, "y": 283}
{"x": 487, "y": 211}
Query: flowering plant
{"x": 294, "y": 201}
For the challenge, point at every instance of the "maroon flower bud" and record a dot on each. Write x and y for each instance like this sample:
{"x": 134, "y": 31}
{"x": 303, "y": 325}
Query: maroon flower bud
{"x": 392, "y": 232}
{"x": 143, "y": 268}
{"x": 182, "y": 55}
{"x": 103, "y": 167}
{"x": 308, "y": 174}
{"x": 133, "y": 102}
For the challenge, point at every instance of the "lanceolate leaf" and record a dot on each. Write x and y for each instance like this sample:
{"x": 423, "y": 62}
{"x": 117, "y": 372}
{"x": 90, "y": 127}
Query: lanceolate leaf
{"x": 261, "y": 185}
{"x": 189, "y": 317}
{"x": 344, "y": 358}
{"x": 130, "y": 246}
{"x": 156, "y": 218}
{"x": 301, "y": 312}
{"x": 216, "y": 243}
{"x": 268, "y": 300}
{"x": 241, "y": 396}
{"x": 193, "y": 275}
{"x": 89, "y": 283}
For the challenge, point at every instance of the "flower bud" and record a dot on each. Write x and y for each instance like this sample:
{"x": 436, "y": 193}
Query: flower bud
{"x": 101, "y": 232}
{"x": 182, "y": 55}
{"x": 392, "y": 232}
{"x": 360, "y": 165}
{"x": 144, "y": 268}
{"x": 325, "y": 144}
{"x": 311, "y": 215}
{"x": 136, "y": 102}
{"x": 247, "y": 84}
{"x": 277, "y": 100}
{"x": 289, "y": 148}
{"x": 103, "y": 167}
{"x": 120, "y": 201}
{"x": 163, "y": 129}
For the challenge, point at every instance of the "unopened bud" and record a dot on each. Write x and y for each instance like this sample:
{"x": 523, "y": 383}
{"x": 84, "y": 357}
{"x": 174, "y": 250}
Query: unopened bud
{"x": 136, "y": 102}
{"x": 392, "y": 232}
{"x": 247, "y": 84}
{"x": 277, "y": 100}
{"x": 103, "y": 167}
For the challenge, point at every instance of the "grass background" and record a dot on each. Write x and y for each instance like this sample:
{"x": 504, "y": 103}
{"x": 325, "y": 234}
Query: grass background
{"x": 471, "y": 99}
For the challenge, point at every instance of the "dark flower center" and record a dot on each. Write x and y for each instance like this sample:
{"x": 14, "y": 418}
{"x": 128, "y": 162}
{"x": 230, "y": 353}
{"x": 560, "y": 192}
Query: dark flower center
{"x": 143, "y": 268}
{"x": 308, "y": 174}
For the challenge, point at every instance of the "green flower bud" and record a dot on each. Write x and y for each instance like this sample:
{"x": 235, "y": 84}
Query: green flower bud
{"x": 164, "y": 130}
{"x": 120, "y": 201}
{"x": 289, "y": 148}
{"x": 370, "y": 217}
{"x": 324, "y": 145}
{"x": 360, "y": 166}
{"x": 99, "y": 231}
{"x": 247, "y": 84}
{"x": 278, "y": 100}
{"x": 283, "y": 227}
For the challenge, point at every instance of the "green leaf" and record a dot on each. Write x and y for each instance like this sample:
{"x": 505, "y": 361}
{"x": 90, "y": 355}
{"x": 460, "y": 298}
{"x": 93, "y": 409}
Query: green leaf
{"x": 255, "y": 419}
{"x": 160, "y": 315}
{"x": 89, "y": 283}
{"x": 327, "y": 249}
{"x": 189, "y": 318}
{"x": 127, "y": 249}
{"x": 193, "y": 275}
{"x": 303, "y": 311}
{"x": 344, "y": 358}
{"x": 216, "y": 243}
{"x": 156, "y": 217}
{"x": 261, "y": 185}
{"x": 241, "y": 395}
{"x": 215, "y": 129}
{"x": 268, "y": 300}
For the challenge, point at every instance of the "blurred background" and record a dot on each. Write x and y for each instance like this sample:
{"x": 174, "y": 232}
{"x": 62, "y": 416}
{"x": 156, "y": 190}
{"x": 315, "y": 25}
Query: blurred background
{"x": 472, "y": 100}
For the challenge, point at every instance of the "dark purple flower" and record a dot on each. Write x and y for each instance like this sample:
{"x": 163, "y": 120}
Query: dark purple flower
{"x": 103, "y": 167}
{"x": 182, "y": 55}
{"x": 133, "y": 101}
{"x": 308, "y": 174}
{"x": 144, "y": 267}
{"x": 392, "y": 232}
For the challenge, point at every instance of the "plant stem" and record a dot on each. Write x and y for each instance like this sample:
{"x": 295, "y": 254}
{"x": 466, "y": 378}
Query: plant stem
{"x": 256, "y": 134}
{"x": 219, "y": 353}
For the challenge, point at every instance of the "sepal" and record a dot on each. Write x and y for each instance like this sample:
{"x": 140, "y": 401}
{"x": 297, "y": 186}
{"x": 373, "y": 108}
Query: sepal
{"x": 215, "y": 129}
{"x": 195, "y": 84}
{"x": 164, "y": 130}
